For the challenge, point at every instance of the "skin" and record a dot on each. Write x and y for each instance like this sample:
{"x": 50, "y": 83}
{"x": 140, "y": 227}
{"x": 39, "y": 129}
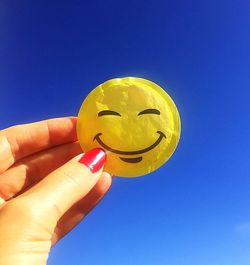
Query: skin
{"x": 40, "y": 160}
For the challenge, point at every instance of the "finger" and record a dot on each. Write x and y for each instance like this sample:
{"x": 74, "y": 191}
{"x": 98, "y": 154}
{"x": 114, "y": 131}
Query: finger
{"x": 22, "y": 140}
{"x": 78, "y": 211}
{"x": 32, "y": 169}
{"x": 62, "y": 188}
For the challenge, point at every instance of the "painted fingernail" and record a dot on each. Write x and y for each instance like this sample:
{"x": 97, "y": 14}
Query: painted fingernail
{"x": 94, "y": 159}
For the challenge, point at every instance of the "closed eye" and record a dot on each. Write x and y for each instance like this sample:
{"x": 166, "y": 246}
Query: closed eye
{"x": 108, "y": 112}
{"x": 149, "y": 111}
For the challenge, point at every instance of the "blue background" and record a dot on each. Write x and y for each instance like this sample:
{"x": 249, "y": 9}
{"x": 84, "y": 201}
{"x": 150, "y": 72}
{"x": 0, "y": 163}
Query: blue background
{"x": 196, "y": 208}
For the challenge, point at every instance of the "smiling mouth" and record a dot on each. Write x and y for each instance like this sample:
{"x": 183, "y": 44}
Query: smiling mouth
{"x": 137, "y": 152}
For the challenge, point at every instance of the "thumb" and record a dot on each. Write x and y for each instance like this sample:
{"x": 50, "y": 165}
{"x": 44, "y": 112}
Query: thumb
{"x": 65, "y": 186}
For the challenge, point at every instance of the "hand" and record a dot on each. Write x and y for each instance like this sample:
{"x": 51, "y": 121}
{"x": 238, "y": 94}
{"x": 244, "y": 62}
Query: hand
{"x": 43, "y": 195}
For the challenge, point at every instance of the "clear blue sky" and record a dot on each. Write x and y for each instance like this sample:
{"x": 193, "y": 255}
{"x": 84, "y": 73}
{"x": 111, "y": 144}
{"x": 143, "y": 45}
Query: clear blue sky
{"x": 196, "y": 208}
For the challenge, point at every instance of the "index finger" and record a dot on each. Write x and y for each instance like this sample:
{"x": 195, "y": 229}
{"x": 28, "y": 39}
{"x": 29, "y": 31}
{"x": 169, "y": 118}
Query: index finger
{"x": 23, "y": 140}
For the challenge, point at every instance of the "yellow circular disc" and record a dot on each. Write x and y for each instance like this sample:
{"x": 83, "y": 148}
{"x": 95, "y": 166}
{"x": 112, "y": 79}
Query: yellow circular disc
{"x": 134, "y": 120}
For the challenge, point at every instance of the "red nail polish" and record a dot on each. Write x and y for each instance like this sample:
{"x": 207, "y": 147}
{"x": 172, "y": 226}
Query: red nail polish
{"x": 94, "y": 159}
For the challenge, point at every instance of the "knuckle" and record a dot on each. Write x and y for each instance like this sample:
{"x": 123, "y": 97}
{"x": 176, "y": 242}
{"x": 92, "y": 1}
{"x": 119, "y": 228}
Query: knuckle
{"x": 69, "y": 175}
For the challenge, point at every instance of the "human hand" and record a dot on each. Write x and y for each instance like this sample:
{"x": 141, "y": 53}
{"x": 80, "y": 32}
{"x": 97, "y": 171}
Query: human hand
{"x": 43, "y": 195}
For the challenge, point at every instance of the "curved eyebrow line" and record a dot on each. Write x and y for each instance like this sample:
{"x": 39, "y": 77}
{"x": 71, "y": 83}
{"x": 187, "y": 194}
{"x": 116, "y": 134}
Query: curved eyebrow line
{"x": 108, "y": 112}
{"x": 149, "y": 111}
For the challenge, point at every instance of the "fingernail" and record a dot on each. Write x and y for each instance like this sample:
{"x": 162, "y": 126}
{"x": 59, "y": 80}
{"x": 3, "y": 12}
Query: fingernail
{"x": 94, "y": 159}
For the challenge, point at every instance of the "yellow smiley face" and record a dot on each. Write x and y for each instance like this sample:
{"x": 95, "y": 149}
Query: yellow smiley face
{"x": 134, "y": 120}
